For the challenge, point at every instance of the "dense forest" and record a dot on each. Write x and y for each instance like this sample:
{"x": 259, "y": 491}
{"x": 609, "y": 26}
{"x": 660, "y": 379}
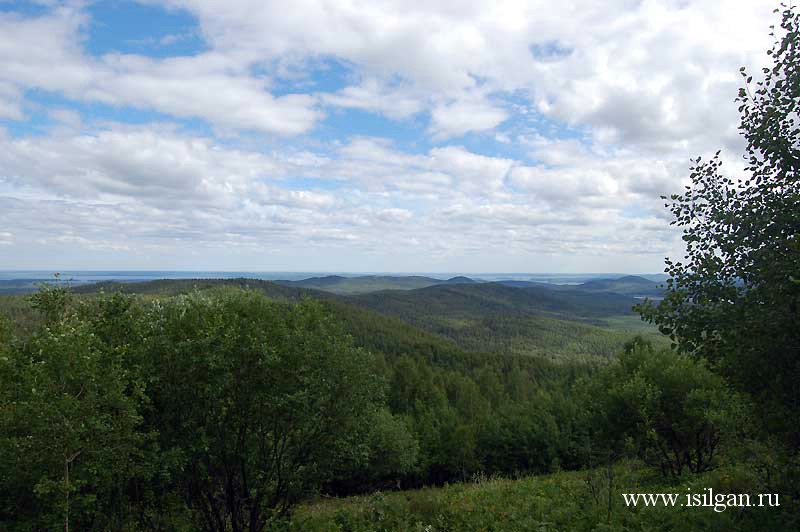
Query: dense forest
{"x": 222, "y": 407}
{"x": 233, "y": 405}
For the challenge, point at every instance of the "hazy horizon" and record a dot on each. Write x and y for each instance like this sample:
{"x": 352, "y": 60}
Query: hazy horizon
{"x": 91, "y": 276}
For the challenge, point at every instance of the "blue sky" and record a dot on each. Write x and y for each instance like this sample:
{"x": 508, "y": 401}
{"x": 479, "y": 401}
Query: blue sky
{"x": 360, "y": 136}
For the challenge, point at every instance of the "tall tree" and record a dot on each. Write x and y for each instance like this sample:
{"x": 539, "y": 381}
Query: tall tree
{"x": 259, "y": 402}
{"x": 734, "y": 299}
{"x": 69, "y": 425}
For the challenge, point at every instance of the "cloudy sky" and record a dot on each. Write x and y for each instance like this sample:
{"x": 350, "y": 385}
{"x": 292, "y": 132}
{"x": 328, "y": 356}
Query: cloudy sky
{"x": 436, "y": 136}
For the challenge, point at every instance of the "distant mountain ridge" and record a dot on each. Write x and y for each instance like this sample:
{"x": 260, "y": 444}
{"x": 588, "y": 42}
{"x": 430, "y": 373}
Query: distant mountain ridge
{"x": 447, "y": 320}
{"x": 361, "y": 284}
{"x": 351, "y": 284}
{"x": 371, "y": 283}
{"x": 630, "y": 284}
{"x": 470, "y": 300}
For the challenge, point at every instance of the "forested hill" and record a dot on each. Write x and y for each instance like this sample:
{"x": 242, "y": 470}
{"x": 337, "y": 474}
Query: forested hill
{"x": 363, "y": 283}
{"x": 454, "y": 300}
{"x": 471, "y": 300}
{"x": 169, "y": 287}
{"x": 480, "y": 318}
{"x": 564, "y": 324}
{"x": 372, "y": 283}
{"x": 630, "y": 285}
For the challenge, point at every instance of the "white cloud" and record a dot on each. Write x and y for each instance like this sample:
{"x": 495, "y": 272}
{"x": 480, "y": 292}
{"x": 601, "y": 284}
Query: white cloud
{"x": 601, "y": 105}
{"x": 569, "y": 172}
{"x": 66, "y": 117}
{"x": 657, "y": 73}
{"x": 10, "y": 102}
{"x": 202, "y": 86}
{"x": 158, "y": 165}
{"x": 460, "y": 117}
{"x": 45, "y": 53}
{"x": 371, "y": 95}
{"x": 653, "y": 72}
{"x": 476, "y": 173}
{"x": 132, "y": 188}
{"x": 394, "y": 215}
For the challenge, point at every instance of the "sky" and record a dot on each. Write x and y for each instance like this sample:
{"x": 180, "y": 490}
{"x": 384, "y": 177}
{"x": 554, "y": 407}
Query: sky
{"x": 313, "y": 135}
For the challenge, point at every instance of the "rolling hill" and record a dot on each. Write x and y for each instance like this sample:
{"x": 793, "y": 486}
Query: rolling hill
{"x": 471, "y": 300}
{"x": 476, "y": 317}
{"x": 633, "y": 285}
{"x": 371, "y": 283}
{"x": 171, "y": 287}
{"x": 491, "y": 317}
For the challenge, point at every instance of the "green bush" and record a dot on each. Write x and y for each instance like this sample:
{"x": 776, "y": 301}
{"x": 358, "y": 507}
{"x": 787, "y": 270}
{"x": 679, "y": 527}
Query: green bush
{"x": 665, "y": 407}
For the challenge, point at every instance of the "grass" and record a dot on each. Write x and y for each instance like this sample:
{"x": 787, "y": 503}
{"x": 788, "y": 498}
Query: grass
{"x": 565, "y": 501}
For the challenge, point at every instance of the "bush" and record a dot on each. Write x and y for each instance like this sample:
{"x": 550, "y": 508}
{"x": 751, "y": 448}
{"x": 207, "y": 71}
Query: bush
{"x": 258, "y": 402}
{"x": 666, "y": 408}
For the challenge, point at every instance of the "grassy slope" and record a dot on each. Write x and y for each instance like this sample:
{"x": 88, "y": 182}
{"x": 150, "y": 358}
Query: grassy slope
{"x": 568, "y": 501}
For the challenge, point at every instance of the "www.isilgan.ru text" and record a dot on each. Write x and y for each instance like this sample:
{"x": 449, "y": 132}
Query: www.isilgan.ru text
{"x": 707, "y": 498}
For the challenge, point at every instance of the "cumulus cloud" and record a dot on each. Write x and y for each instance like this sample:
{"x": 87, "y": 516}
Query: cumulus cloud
{"x": 597, "y": 108}
{"x": 652, "y": 72}
{"x": 131, "y": 163}
{"x": 457, "y": 118}
{"x": 10, "y": 102}
{"x": 45, "y": 53}
{"x": 133, "y": 190}
{"x": 570, "y": 171}
{"x": 371, "y": 95}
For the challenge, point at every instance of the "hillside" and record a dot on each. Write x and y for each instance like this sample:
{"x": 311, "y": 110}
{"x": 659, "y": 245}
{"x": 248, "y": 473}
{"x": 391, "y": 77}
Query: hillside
{"x": 371, "y": 283}
{"x": 632, "y": 285}
{"x": 472, "y": 300}
{"x": 169, "y": 287}
{"x": 446, "y": 322}
{"x": 531, "y": 321}
{"x": 361, "y": 284}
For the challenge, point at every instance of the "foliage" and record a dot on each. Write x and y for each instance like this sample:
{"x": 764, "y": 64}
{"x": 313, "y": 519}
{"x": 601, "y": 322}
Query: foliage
{"x": 666, "y": 407}
{"x": 393, "y": 448}
{"x": 259, "y": 402}
{"x": 70, "y": 435}
{"x": 215, "y": 410}
{"x": 733, "y": 300}
{"x": 228, "y": 373}
{"x": 52, "y": 301}
{"x": 561, "y": 501}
